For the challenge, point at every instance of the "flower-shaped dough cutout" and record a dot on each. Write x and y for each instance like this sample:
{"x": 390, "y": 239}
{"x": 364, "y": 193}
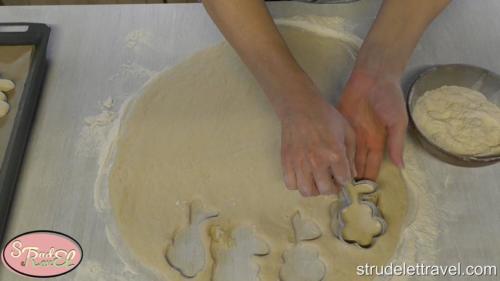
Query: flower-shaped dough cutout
{"x": 361, "y": 224}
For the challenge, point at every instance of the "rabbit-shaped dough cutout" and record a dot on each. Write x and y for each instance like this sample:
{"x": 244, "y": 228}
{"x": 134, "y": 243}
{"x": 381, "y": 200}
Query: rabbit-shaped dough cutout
{"x": 302, "y": 261}
{"x": 187, "y": 252}
{"x": 233, "y": 250}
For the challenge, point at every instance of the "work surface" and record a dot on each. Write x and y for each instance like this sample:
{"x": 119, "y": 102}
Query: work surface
{"x": 94, "y": 53}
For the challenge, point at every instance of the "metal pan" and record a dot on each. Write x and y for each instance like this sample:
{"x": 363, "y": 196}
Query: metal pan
{"x": 16, "y": 134}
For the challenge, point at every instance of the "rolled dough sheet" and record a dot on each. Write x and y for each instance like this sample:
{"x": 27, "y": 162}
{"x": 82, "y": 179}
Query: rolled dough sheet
{"x": 204, "y": 130}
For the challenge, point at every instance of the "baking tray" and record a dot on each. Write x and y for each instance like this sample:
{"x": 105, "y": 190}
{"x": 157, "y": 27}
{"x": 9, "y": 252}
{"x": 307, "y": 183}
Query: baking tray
{"x": 23, "y": 48}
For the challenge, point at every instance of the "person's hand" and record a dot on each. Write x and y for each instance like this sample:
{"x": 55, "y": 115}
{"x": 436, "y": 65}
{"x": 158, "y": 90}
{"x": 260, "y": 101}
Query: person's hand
{"x": 374, "y": 106}
{"x": 317, "y": 147}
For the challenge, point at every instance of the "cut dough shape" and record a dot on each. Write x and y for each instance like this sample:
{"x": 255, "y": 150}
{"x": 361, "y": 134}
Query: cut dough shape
{"x": 187, "y": 252}
{"x": 4, "y": 108}
{"x": 232, "y": 252}
{"x": 204, "y": 129}
{"x": 6, "y": 85}
{"x": 302, "y": 263}
{"x": 304, "y": 228}
{"x": 360, "y": 223}
{"x": 3, "y": 97}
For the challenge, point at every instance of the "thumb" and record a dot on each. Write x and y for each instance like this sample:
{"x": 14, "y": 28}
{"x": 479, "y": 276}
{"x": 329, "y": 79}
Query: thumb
{"x": 395, "y": 143}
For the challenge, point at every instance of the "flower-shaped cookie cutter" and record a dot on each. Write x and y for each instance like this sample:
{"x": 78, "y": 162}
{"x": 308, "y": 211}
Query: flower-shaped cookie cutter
{"x": 356, "y": 194}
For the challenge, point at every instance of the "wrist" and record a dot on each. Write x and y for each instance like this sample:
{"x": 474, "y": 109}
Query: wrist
{"x": 378, "y": 58}
{"x": 300, "y": 99}
{"x": 363, "y": 82}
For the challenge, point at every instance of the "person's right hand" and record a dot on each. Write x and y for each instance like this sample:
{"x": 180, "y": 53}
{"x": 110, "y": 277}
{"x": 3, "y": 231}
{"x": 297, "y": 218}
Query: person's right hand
{"x": 317, "y": 147}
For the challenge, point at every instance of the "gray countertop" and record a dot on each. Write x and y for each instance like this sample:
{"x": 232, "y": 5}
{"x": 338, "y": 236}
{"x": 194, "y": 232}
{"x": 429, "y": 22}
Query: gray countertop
{"x": 94, "y": 54}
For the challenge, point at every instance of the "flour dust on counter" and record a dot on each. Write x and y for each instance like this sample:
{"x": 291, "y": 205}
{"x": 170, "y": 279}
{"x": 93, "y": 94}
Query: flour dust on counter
{"x": 204, "y": 130}
{"x": 96, "y": 129}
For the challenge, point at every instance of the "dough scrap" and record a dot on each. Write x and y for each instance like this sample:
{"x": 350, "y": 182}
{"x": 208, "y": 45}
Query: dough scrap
{"x": 187, "y": 252}
{"x": 304, "y": 228}
{"x": 459, "y": 120}
{"x": 302, "y": 263}
{"x": 204, "y": 129}
{"x": 232, "y": 251}
{"x": 4, "y": 108}
{"x": 6, "y": 85}
{"x": 360, "y": 222}
{"x": 3, "y": 97}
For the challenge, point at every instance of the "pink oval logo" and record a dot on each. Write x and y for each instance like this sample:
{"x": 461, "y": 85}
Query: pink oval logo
{"x": 42, "y": 254}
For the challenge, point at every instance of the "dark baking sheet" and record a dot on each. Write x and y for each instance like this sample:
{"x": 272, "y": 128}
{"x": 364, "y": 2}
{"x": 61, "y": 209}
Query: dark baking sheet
{"x": 22, "y": 59}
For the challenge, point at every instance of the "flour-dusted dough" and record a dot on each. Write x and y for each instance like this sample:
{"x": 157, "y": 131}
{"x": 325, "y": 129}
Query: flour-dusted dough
{"x": 233, "y": 250}
{"x": 304, "y": 228}
{"x": 205, "y": 130}
{"x": 459, "y": 120}
{"x": 187, "y": 252}
{"x": 6, "y": 85}
{"x": 302, "y": 263}
{"x": 360, "y": 224}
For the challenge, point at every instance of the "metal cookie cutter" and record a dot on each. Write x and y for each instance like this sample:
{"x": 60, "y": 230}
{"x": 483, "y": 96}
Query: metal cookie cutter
{"x": 361, "y": 191}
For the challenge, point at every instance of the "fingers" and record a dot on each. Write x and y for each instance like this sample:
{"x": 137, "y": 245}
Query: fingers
{"x": 395, "y": 143}
{"x": 305, "y": 181}
{"x": 340, "y": 169}
{"x": 324, "y": 182}
{"x": 350, "y": 144}
{"x": 373, "y": 162}
{"x": 360, "y": 157}
{"x": 289, "y": 175}
{"x": 288, "y": 170}
{"x": 314, "y": 177}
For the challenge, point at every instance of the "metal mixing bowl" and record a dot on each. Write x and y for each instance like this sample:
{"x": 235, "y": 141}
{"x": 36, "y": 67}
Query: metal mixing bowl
{"x": 473, "y": 77}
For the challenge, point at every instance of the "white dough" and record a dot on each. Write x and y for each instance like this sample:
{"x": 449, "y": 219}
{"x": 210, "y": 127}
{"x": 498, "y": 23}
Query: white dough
{"x": 187, "y": 252}
{"x": 304, "y": 228}
{"x": 360, "y": 226}
{"x": 6, "y": 85}
{"x": 4, "y": 108}
{"x": 459, "y": 120}
{"x": 204, "y": 129}
{"x": 233, "y": 250}
{"x": 3, "y": 97}
{"x": 302, "y": 263}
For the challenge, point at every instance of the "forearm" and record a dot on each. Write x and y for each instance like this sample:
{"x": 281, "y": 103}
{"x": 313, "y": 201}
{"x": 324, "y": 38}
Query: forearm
{"x": 394, "y": 35}
{"x": 249, "y": 28}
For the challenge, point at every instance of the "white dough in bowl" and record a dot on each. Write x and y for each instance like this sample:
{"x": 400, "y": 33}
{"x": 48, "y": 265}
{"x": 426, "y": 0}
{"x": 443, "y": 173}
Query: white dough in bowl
{"x": 459, "y": 120}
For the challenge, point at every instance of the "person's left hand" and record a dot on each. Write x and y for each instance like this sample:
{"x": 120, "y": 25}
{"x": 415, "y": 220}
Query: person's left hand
{"x": 375, "y": 107}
